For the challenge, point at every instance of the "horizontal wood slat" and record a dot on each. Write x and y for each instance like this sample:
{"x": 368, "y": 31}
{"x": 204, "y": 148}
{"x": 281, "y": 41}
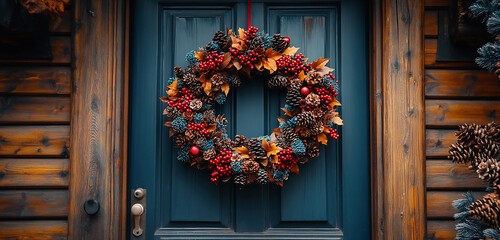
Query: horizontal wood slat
{"x": 431, "y": 45}
{"x": 437, "y": 3}
{"x": 439, "y": 203}
{"x": 458, "y": 112}
{"x": 461, "y": 83}
{"x": 35, "y": 229}
{"x": 33, "y": 203}
{"x": 34, "y": 172}
{"x": 61, "y": 52}
{"x": 17, "y": 109}
{"x": 34, "y": 140}
{"x": 437, "y": 142}
{"x": 49, "y": 80}
{"x": 446, "y": 174}
{"x": 431, "y": 23}
{"x": 441, "y": 230}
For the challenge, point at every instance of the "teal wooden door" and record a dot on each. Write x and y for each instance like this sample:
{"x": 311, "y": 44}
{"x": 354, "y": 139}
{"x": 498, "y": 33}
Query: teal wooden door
{"x": 330, "y": 197}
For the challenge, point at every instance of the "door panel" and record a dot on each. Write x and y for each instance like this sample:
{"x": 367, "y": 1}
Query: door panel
{"x": 182, "y": 202}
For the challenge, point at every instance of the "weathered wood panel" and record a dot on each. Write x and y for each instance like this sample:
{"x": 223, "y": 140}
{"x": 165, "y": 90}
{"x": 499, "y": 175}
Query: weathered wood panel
{"x": 438, "y": 141}
{"x": 461, "y": 83}
{"x": 431, "y": 23}
{"x": 34, "y": 229}
{"x": 446, "y": 174}
{"x": 437, "y": 3}
{"x": 431, "y": 53}
{"x": 34, "y": 172}
{"x": 441, "y": 230}
{"x": 17, "y": 109}
{"x": 34, "y": 140}
{"x": 61, "y": 52}
{"x": 42, "y": 80}
{"x": 458, "y": 112}
{"x": 33, "y": 203}
{"x": 61, "y": 23}
{"x": 439, "y": 203}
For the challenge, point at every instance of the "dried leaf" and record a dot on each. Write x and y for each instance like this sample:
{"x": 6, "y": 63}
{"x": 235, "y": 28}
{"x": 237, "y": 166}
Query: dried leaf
{"x": 324, "y": 70}
{"x": 207, "y": 87}
{"x": 295, "y": 169}
{"x": 335, "y": 102}
{"x": 172, "y": 88}
{"x": 338, "y": 121}
{"x": 243, "y": 152}
{"x": 171, "y": 132}
{"x": 199, "y": 56}
{"x": 288, "y": 113}
{"x": 318, "y": 64}
{"x": 280, "y": 183}
{"x": 281, "y": 120}
{"x": 264, "y": 162}
{"x": 211, "y": 127}
{"x": 274, "y": 159}
{"x": 164, "y": 99}
{"x": 290, "y": 51}
{"x": 302, "y": 76}
{"x": 241, "y": 33}
{"x": 270, "y": 54}
{"x": 277, "y": 131}
{"x": 227, "y": 60}
{"x": 322, "y": 138}
{"x": 237, "y": 64}
{"x": 237, "y": 43}
{"x": 271, "y": 149}
{"x": 270, "y": 64}
{"x": 225, "y": 88}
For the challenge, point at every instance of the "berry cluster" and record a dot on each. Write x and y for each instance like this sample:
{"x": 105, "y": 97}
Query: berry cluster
{"x": 285, "y": 159}
{"x": 212, "y": 62}
{"x": 326, "y": 94}
{"x": 199, "y": 127}
{"x": 251, "y": 32}
{"x": 333, "y": 133}
{"x": 249, "y": 58}
{"x": 292, "y": 65}
{"x": 182, "y": 103}
{"x": 221, "y": 166}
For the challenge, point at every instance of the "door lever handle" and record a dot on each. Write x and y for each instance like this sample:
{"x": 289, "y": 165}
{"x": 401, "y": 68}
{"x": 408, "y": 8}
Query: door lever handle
{"x": 137, "y": 210}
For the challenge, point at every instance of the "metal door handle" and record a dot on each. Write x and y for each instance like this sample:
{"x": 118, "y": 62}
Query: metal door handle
{"x": 137, "y": 210}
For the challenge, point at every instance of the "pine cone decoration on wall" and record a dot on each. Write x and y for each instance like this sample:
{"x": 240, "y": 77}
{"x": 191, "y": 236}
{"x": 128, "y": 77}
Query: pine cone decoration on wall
{"x": 467, "y": 134}
{"x": 209, "y": 154}
{"x": 293, "y": 96}
{"x": 489, "y": 170}
{"x": 181, "y": 141}
{"x": 179, "y": 72}
{"x": 222, "y": 40}
{"x": 278, "y": 81}
{"x": 250, "y": 166}
{"x": 262, "y": 176}
{"x": 313, "y": 100}
{"x": 313, "y": 151}
{"x": 493, "y": 131}
{"x": 257, "y": 149}
{"x": 313, "y": 78}
{"x": 217, "y": 81}
{"x": 196, "y": 104}
{"x": 192, "y": 82}
{"x": 461, "y": 154}
{"x": 172, "y": 112}
{"x": 240, "y": 140}
{"x": 487, "y": 210}
{"x": 290, "y": 134}
{"x": 240, "y": 179}
{"x": 278, "y": 43}
{"x": 305, "y": 119}
{"x": 256, "y": 42}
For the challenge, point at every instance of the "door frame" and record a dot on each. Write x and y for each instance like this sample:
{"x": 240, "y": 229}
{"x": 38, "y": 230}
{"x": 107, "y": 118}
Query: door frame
{"x": 100, "y": 114}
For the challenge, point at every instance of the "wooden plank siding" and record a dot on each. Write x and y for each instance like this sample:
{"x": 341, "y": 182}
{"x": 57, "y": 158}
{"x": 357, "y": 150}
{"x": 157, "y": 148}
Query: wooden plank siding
{"x": 35, "y": 107}
{"x": 455, "y": 93}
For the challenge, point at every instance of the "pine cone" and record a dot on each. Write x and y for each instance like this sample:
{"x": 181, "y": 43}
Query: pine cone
{"x": 172, "y": 112}
{"x": 240, "y": 140}
{"x": 493, "y": 131}
{"x": 293, "y": 96}
{"x": 313, "y": 100}
{"x": 488, "y": 148}
{"x": 487, "y": 210}
{"x": 196, "y": 104}
{"x": 290, "y": 134}
{"x": 282, "y": 142}
{"x": 461, "y": 154}
{"x": 316, "y": 128}
{"x": 192, "y": 82}
{"x": 222, "y": 40}
{"x": 240, "y": 179}
{"x": 489, "y": 171}
{"x": 305, "y": 119}
{"x": 209, "y": 116}
{"x": 278, "y": 81}
{"x": 467, "y": 134}
{"x": 209, "y": 154}
{"x": 262, "y": 176}
{"x": 313, "y": 151}
{"x": 250, "y": 166}
{"x": 181, "y": 141}
{"x": 217, "y": 80}
{"x": 256, "y": 42}
{"x": 278, "y": 43}
{"x": 313, "y": 78}
{"x": 257, "y": 149}
{"x": 178, "y": 72}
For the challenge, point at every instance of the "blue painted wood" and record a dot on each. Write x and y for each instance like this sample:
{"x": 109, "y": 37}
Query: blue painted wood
{"x": 328, "y": 200}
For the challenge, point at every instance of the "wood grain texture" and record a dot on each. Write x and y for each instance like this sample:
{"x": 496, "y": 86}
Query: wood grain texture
{"x": 17, "y": 109}
{"x": 431, "y": 53}
{"x": 446, "y": 174}
{"x": 34, "y": 140}
{"x": 33, "y": 203}
{"x": 34, "y": 172}
{"x": 461, "y": 83}
{"x": 98, "y": 120}
{"x": 439, "y": 203}
{"x": 61, "y": 52}
{"x": 41, "y": 80}
{"x": 34, "y": 229}
{"x": 437, "y": 142}
{"x": 441, "y": 230}
{"x": 403, "y": 120}
{"x": 437, "y": 3}
{"x": 431, "y": 23}
{"x": 61, "y": 23}
{"x": 458, "y": 112}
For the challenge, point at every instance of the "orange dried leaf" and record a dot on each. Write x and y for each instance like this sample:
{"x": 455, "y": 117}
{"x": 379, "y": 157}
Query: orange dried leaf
{"x": 302, "y": 76}
{"x": 207, "y": 87}
{"x": 237, "y": 64}
{"x": 274, "y": 159}
{"x": 241, "y": 33}
{"x": 322, "y": 138}
{"x": 211, "y": 127}
{"x": 271, "y": 149}
{"x": 277, "y": 131}
{"x": 288, "y": 113}
{"x": 227, "y": 60}
{"x": 335, "y": 102}
{"x": 199, "y": 56}
{"x": 270, "y": 64}
{"x": 264, "y": 162}
{"x": 318, "y": 64}
{"x": 225, "y": 88}
{"x": 290, "y": 51}
{"x": 295, "y": 169}
{"x": 338, "y": 121}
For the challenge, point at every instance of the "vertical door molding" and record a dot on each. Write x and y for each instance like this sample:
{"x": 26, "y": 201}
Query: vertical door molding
{"x": 99, "y": 119}
{"x": 397, "y": 120}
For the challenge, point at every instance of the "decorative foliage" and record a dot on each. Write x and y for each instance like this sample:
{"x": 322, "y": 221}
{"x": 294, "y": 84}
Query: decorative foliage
{"x": 54, "y": 7}
{"x": 479, "y": 146}
{"x": 213, "y": 70}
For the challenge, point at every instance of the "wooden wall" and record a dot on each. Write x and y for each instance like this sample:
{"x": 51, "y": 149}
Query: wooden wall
{"x": 455, "y": 93}
{"x": 35, "y": 97}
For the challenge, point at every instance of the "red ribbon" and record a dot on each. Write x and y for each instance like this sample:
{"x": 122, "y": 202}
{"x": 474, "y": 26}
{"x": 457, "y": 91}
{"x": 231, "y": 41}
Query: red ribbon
{"x": 249, "y": 14}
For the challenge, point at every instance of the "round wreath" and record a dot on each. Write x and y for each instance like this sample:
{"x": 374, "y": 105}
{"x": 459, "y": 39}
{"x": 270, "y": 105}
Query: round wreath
{"x": 200, "y": 134}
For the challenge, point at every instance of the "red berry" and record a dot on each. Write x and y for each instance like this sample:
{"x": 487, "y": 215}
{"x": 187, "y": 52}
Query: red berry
{"x": 304, "y": 91}
{"x": 286, "y": 39}
{"x": 194, "y": 150}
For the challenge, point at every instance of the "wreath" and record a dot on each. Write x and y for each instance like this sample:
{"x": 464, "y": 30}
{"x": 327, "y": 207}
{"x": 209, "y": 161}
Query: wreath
{"x": 226, "y": 61}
